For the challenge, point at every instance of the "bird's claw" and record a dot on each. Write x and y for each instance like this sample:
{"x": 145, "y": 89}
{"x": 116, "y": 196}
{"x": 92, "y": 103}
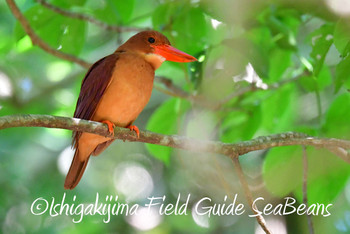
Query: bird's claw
{"x": 110, "y": 126}
{"x": 136, "y": 129}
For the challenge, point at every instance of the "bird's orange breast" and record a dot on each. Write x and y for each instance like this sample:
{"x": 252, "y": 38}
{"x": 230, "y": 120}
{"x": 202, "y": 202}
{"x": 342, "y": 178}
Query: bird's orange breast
{"x": 128, "y": 92}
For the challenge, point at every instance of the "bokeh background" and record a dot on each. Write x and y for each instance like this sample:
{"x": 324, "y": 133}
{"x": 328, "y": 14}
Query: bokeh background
{"x": 264, "y": 67}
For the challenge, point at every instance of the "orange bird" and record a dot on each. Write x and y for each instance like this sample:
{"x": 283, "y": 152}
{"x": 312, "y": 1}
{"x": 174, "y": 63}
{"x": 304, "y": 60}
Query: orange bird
{"x": 115, "y": 90}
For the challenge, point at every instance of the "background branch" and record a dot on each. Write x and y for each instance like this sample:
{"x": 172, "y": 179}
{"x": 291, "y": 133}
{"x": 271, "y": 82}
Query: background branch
{"x": 180, "y": 142}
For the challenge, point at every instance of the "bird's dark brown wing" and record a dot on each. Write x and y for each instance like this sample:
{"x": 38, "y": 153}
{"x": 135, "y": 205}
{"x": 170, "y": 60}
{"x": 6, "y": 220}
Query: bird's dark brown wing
{"x": 93, "y": 87}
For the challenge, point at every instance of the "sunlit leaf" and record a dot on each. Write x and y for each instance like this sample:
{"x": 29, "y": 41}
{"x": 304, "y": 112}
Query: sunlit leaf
{"x": 321, "y": 41}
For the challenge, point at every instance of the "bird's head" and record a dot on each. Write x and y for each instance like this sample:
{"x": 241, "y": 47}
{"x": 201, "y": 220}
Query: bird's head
{"x": 156, "y": 48}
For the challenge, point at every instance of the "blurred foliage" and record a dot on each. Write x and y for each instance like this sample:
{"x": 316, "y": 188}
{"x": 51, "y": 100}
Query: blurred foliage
{"x": 264, "y": 67}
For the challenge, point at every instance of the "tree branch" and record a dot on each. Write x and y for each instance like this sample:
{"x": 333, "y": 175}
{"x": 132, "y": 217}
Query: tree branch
{"x": 174, "y": 141}
{"x": 36, "y": 40}
{"x": 90, "y": 19}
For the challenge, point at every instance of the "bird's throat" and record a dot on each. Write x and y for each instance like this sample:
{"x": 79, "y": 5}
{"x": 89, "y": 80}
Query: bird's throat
{"x": 155, "y": 60}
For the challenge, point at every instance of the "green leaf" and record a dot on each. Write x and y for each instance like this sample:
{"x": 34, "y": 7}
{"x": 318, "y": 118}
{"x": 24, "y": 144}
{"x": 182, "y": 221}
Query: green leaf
{"x": 161, "y": 15}
{"x": 114, "y": 12}
{"x": 321, "y": 41}
{"x": 308, "y": 83}
{"x": 337, "y": 117}
{"x": 239, "y": 125}
{"x": 192, "y": 28}
{"x": 38, "y": 17}
{"x": 326, "y": 177}
{"x": 73, "y": 38}
{"x": 312, "y": 83}
{"x": 124, "y": 8}
{"x": 188, "y": 25}
{"x": 280, "y": 60}
{"x": 342, "y": 37}
{"x": 197, "y": 69}
{"x": 282, "y": 170}
{"x": 229, "y": 124}
{"x": 165, "y": 120}
{"x": 342, "y": 72}
{"x": 68, "y": 3}
{"x": 278, "y": 111}
{"x": 283, "y": 173}
{"x": 62, "y": 33}
{"x": 324, "y": 78}
{"x": 284, "y": 35}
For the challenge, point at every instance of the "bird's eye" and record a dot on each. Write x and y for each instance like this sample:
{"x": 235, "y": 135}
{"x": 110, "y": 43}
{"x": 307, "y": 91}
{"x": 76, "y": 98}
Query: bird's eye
{"x": 151, "y": 40}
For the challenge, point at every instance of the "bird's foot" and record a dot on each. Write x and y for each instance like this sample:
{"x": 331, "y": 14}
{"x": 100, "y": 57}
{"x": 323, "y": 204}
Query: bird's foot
{"x": 134, "y": 128}
{"x": 110, "y": 126}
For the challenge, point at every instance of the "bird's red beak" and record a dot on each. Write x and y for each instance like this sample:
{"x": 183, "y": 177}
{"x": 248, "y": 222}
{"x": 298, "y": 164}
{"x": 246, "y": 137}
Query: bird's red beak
{"x": 172, "y": 54}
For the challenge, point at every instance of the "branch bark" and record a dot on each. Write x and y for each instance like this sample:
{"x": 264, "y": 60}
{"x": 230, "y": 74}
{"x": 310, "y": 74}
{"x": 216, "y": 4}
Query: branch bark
{"x": 174, "y": 141}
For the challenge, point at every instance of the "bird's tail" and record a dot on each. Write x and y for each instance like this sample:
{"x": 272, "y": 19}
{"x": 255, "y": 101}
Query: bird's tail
{"x": 76, "y": 171}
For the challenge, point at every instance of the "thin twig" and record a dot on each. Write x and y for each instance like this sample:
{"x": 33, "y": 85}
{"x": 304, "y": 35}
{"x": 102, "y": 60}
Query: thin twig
{"x": 305, "y": 200}
{"x": 90, "y": 19}
{"x": 248, "y": 194}
{"x": 174, "y": 141}
{"x": 36, "y": 40}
